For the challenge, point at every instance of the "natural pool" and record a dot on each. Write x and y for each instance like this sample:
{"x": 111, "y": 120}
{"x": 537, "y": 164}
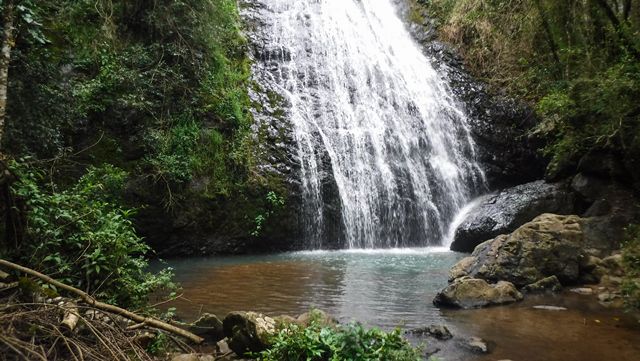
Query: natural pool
{"x": 394, "y": 288}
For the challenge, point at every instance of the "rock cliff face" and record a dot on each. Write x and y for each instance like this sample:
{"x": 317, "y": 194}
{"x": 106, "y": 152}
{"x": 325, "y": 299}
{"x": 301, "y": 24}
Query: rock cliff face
{"x": 502, "y": 127}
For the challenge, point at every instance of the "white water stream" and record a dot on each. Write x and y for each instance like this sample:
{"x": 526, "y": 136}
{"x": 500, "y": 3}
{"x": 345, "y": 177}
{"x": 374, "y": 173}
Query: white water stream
{"x": 362, "y": 92}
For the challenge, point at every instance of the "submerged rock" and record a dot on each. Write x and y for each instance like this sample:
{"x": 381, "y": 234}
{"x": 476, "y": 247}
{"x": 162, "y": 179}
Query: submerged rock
{"x": 248, "y": 331}
{"x": 507, "y": 210}
{"x": 467, "y": 292}
{"x": 476, "y": 345}
{"x": 209, "y": 327}
{"x": 548, "y": 284}
{"x": 439, "y": 332}
{"x": 319, "y": 316}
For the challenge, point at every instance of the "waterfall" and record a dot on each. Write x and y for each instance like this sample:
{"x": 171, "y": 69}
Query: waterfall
{"x": 368, "y": 108}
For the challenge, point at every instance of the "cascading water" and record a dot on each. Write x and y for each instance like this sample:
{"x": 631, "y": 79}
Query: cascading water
{"x": 360, "y": 90}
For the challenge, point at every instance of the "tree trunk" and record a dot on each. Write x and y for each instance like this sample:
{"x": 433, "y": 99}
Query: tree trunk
{"x": 617, "y": 25}
{"x": 8, "y": 41}
{"x": 549, "y": 34}
{"x": 626, "y": 10}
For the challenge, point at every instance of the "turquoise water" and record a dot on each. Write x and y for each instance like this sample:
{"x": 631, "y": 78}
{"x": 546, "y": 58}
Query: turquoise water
{"x": 385, "y": 288}
{"x": 390, "y": 288}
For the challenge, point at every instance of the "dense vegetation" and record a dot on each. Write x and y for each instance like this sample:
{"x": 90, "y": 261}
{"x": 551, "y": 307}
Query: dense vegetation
{"x": 123, "y": 113}
{"x": 83, "y": 238}
{"x": 576, "y": 61}
{"x": 319, "y": 342}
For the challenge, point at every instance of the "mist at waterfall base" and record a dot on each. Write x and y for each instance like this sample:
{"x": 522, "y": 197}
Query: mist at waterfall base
{"x": 372, "y": 118}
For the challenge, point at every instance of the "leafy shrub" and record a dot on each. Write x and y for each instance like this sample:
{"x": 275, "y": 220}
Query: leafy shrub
{"x": 274, "y": 202}
{"x": 82, "y": 237}
{"x": 578, "y": 62}
{"x": 318, "y": 342}
{"x": 631, "y": 257}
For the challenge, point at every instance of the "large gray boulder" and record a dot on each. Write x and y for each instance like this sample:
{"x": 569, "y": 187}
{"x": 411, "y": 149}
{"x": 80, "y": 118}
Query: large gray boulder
{"x": 209, "y": 327}
{"x": 550, "y": 245}
{"x": 467, "y": 292}
{"x": 505, "y": 211}
{"x": 248, "y": 332}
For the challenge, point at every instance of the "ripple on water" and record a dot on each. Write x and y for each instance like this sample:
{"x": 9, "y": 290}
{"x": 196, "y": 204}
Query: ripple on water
{"x": 389, "y": 288}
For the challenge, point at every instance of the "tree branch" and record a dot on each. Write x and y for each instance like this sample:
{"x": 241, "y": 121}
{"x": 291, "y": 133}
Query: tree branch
{"x": 150, "y": 321}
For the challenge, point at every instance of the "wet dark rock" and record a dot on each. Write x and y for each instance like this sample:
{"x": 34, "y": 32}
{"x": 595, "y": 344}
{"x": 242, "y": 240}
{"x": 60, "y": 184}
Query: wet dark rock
{"x": 209, "y": 327}
{"x": 439, "y": 332}
{"x": 475, "y": 345}
{"x": 548, "y": 284}
{"x": 467, "y": 292}
{"x": 430, "y": 351}
{"x": 603, "y": 164}
{"x": 505, "y": 211}
{"x": 248, "y": 332}
{"x": 587, "y": 187}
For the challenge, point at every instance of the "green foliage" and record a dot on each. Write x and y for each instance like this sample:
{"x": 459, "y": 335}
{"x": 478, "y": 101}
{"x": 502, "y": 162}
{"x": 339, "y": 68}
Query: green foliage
{"x": 631, "y": 258}
{"x": 159, "y": 344}
{"x": 338, "y": 343}
{"x": 577, "y": 65}
{"x": 151, "y": 74}
{"x": 274, "y": 203}
{"x": 83, "y": 238}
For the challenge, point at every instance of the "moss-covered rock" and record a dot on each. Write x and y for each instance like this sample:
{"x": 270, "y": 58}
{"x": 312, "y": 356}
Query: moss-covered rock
{"x": 467, "y": 292}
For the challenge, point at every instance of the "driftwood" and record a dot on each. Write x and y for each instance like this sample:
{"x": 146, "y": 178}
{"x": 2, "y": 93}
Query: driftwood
{"x": 149, "y": 321}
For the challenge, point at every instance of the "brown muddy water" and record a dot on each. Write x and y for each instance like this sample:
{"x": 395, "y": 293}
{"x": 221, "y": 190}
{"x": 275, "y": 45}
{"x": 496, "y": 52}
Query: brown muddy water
{"x": 394, "y": 288}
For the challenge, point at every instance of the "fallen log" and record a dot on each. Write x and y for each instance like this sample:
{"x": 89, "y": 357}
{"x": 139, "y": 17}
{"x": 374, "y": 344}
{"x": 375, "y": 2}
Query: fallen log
{"x": 149, "y": 321}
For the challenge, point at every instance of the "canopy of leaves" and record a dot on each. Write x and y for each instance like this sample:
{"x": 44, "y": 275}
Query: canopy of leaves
{"x": 576, "y": 61}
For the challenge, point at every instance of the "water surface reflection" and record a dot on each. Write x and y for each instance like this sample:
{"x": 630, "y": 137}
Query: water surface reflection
{"x": 395, "y": 288}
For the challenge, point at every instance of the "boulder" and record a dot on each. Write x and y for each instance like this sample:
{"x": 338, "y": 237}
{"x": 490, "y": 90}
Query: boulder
{"x": 439, "y": 332}
{"x": 209, "y": 327}
{"x": 505, "y": 211}
{"x": 548, "y": 284}
{"x": 603, "y": 164}
{"x": 319, "y": 316}
{"x": 467, "y": 292}
{"x": 550, "y": 245}
{"x": 475, "y": 345}
{"x": 248, "y": 332}
{"x": 614, "y": 265}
